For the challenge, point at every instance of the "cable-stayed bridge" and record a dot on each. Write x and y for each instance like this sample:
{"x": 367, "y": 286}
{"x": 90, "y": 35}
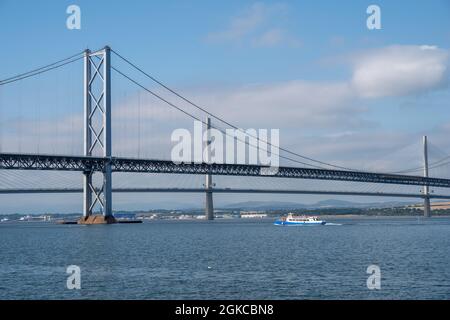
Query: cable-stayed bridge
{"x": 98, "y": 158}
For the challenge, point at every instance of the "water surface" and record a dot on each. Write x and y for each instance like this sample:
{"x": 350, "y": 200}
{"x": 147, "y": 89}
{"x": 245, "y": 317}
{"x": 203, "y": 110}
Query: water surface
{"x": 227, "y": 259}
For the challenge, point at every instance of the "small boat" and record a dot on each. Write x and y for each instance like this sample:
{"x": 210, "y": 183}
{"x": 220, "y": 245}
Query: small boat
{"x": 292, "y": 220}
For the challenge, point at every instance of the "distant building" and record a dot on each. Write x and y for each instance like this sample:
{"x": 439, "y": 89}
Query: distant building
{"x": 434, "y": 206}
{"x": 252, "y": 214}
{"x": 127, "y": 216}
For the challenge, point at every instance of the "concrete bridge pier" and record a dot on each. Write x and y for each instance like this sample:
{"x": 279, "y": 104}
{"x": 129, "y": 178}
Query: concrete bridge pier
{"x": 209, "y": 207}
{"x": 426, "y": 208}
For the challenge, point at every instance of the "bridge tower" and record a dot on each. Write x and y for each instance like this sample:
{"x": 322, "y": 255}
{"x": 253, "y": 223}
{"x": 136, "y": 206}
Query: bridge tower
{"x": 209, "y": 207}
{"x": 426, "y": 189}
{"x": 97, "y": 132}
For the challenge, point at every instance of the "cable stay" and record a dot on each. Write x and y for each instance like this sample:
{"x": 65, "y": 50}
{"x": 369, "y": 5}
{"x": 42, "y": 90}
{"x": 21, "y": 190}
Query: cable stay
{"x": 433, "y": 165}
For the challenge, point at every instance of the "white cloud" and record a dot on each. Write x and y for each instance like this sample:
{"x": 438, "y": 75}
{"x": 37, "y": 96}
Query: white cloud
{"x": 242, "y": 25}
{"x": 275, "y": 37}
{"x": 400, "y": 70}
{"x": 257, "y": 26}
{"x": 294, "y": 104}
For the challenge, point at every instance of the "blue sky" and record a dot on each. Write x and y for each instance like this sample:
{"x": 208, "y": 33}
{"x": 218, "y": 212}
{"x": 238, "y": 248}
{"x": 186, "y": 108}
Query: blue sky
{"x": 310, "y": 68}
{"x": 175, "y": 31}
{"x": 170, "y": 38}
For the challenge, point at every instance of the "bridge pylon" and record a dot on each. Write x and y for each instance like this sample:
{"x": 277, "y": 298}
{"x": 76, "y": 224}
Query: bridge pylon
{"x": 97, "y": 132}
{"x": 426, "y": 189}
{"x": 209, "y": 206}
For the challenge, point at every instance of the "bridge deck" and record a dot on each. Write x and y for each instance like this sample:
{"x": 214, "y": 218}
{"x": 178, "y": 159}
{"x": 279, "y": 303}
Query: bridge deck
{"x": 225, "y": 190}
{"x": 79, "y": 163}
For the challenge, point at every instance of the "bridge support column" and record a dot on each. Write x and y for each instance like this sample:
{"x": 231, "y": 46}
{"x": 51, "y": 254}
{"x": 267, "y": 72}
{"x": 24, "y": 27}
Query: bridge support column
{"x": 107, "y": 174}
{"x": 97, "y": 133}
{"x": 209, "y": 207}
{"x": 426, "y": 208}
{"x": 426, "y": 189}
{"x": 87, "y": 194}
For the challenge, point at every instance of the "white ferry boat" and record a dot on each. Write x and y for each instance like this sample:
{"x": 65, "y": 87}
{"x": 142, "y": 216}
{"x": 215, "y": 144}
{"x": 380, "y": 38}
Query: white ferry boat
{"x": 292, "y": 220}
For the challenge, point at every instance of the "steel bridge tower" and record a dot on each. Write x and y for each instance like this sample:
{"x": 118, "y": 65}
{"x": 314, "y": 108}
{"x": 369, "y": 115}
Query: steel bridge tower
{"x": 97, "y": 130}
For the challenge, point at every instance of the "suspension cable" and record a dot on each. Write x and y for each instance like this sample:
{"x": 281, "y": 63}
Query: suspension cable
{"x": 43, "y": 69}
{"x": 221, "y": 119}
{"x": 200, "y": 120}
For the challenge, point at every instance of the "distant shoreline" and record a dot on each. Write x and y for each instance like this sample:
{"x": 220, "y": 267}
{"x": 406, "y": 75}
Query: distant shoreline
{"x": 350, "y": 216}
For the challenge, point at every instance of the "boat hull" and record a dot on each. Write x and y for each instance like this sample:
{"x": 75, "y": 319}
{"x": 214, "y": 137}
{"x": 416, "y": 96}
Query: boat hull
{"x": 299, "y": 223}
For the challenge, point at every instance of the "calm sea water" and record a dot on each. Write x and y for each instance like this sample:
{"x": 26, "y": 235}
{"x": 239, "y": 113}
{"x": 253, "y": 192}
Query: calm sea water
{"x": 227, "y": 259}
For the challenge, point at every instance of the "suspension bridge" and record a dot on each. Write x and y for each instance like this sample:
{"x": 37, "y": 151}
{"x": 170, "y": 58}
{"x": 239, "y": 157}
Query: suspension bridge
{"x": 98, "y": 158}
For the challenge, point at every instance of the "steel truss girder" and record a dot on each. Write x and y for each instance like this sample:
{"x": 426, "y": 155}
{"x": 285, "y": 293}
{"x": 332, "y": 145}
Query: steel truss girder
{"x": 159, "y": 166}
{"x": 50, "y": 162}
{"x": 100, "y": 164}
